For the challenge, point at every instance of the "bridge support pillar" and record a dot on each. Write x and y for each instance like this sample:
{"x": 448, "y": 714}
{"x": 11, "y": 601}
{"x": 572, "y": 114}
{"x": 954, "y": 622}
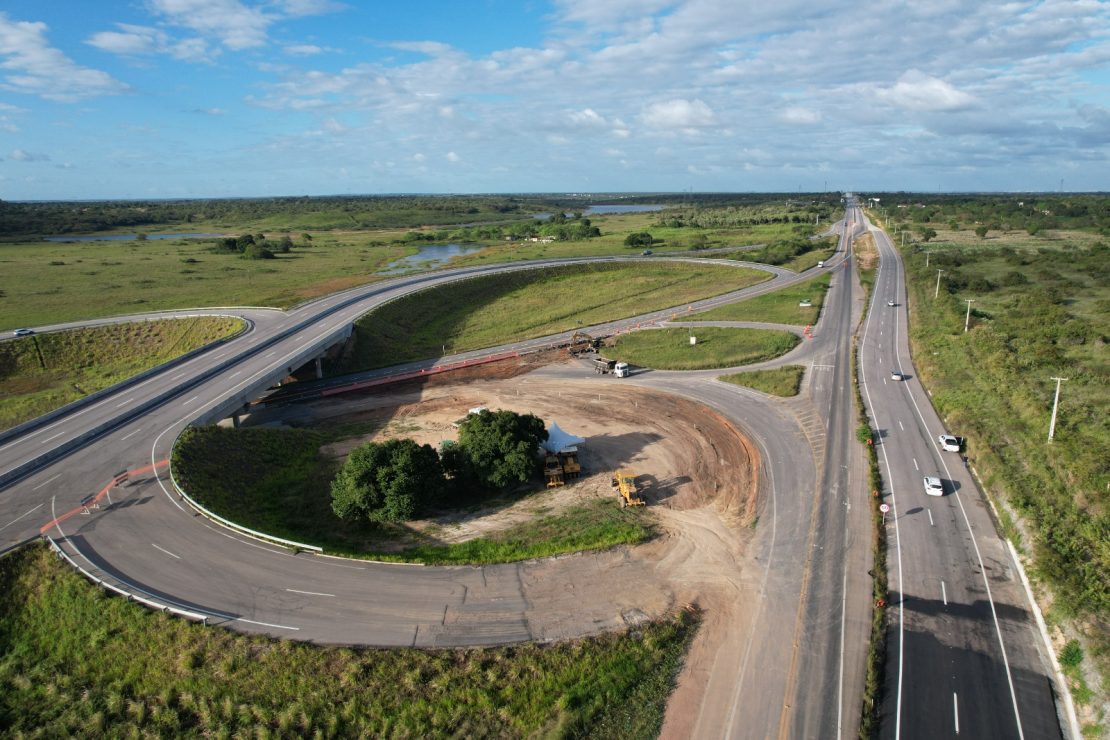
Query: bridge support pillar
{"x": 320, "y": 367}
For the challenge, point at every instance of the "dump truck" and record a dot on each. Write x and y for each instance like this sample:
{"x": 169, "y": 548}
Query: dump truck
{"x": 602, "y": 366}
{"x": 625, "y": 482}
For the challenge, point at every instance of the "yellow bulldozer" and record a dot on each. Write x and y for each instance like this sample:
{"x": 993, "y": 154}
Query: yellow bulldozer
{"x": 625, "y": 482}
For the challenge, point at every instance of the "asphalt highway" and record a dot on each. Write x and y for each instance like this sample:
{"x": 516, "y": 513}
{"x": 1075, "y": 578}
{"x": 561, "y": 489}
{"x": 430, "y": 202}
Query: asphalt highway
{"x": 964, "y": 657}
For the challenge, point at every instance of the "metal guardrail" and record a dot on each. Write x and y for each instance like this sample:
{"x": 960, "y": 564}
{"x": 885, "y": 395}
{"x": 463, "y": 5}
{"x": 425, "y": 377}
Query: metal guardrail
{"x": 232, "y": 525}
{"x": 156, "y": 605}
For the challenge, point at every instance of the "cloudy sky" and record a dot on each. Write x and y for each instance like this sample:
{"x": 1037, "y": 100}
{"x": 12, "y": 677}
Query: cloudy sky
{"x": 178, "y": 98}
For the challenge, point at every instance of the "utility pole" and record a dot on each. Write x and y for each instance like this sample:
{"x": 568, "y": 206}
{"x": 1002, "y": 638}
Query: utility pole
{"x": 927, "y": 253}
{"x": 967, "y": 319}
{"x": 1055, "y": 405}
{"x": 937, "y": 291}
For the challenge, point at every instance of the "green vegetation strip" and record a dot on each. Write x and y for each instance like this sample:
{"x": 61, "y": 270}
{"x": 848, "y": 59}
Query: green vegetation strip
{"x": 780, "y": 307}
{"x": 44, "y": 372}
{"x": 276, "y": 481}
{"x": 670, "y": 349}
{"x": 495, "y": 309}
{"x": 779, "y": 381}
{"x": 77, "y": 663}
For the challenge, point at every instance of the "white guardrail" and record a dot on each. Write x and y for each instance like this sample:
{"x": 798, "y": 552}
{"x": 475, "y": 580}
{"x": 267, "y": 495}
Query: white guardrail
{"x": 237, "y": 527}
{"x": 156, "y": 605}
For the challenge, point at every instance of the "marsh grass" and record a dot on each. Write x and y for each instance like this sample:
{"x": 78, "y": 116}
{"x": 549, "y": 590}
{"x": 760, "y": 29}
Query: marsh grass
{"x": 77, "y": 663}
{"x": 670, "y": 349}
{"x": 42, "y": 372}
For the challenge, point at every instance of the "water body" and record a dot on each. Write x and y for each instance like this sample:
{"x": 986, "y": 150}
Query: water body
{"x": 601, "y": 209}
{"x": 124, "y": 237}
{"x": 429, "y": 257}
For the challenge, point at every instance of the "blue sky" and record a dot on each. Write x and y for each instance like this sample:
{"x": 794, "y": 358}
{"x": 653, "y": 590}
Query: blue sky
{"x": 216, "y": 98}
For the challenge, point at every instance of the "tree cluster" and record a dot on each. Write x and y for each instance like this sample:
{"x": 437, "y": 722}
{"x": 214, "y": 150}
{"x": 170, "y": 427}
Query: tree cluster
{"x": 255, "y": 246}
{"x": 639, "y": 239}
{"x": 399, "y": 479}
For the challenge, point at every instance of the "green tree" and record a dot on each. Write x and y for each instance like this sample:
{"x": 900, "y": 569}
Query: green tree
{"x": 285, "y": 244}
{"x": 499, "y": 448}
{"x": 387, "y": 481}
{"x": 927, "y": 234}
{"x": 641, "y": 239}
{"x": 257, "y": 252}
{"x": 981, "y": 232}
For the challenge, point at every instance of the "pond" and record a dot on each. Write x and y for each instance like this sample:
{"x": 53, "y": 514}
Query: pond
{"x": 429, "y": 257}
{"x": 124, "y": 237}
{"x": 602, "y": 209}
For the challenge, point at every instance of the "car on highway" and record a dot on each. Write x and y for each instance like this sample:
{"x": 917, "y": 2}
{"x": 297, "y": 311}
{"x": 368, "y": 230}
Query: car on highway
{"x": 933, "y": 486}
{"x": 23, "y": 332}
{"x": 895, "y": 375}
{"x": 891, "y": 302}
{"x": 950, "y": 443}
{"x": 646, "y": 253}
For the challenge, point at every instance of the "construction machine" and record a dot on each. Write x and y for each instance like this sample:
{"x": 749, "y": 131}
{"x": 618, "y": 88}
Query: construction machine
{"x": 582, "y": 343}
{"x": 571, "y": 468}
{"x": 625, "y": 482}
{"x": 553, "y": 471}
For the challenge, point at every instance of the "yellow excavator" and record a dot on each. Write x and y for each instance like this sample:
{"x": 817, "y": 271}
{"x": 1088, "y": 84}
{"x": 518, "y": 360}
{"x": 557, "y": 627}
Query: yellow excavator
{"x": 625, "y": 482}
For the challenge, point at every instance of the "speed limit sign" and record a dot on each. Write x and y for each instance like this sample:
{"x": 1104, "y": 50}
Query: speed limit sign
{"x": 884, "y": 508}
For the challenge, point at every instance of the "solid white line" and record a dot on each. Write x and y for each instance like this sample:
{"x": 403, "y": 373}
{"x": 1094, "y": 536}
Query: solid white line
{"x": 32, "y": 511}
{"x": 956, "y": 711}
{"x": 48, "y": 480}
{"x": 267, "y": 624}
{"x": 308, "y": 593}
{"x": 930, "y": 512}
{"x": 124, "y": 403}
{"x": 50, "y": 438}
{"x": 130, "y": 434}
{"x": 190, "y": 401}
{"x": 840, "y": 686}
{"x": 165, "y": 551}
{"x": 943, "y": 593}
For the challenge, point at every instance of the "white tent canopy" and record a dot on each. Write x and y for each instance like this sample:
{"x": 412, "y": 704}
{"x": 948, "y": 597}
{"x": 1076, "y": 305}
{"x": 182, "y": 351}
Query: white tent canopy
{"x": 560, "y": 441}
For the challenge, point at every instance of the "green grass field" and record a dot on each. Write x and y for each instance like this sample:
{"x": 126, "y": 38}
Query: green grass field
{"x": 779, "y": 381}
{"x": 43, "y": 372}
{"x": 276, "y": 481}
{"x": 77, "y": 663}
{"x": 780, "y": 307}
{"x": 670, "y": 349}
{"x": 492, "y": 310}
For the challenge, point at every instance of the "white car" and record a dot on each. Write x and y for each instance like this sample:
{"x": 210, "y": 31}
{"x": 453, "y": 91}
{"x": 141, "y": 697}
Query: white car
{"x": 895, "y": 375}
{"x": 891, "y": 302}
{"x": 950, "y": 443}
{"x": 23, "y": 332}
{"x": 933, "y": 486}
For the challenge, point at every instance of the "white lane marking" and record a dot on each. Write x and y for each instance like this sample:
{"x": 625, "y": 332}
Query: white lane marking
{"x": 124, "y": 403}
{"x": 267, "y": 624}
{"x": 308, "y": 593}
{"x": 930, "y": 513}
{"x": 179, "y": 375}
{"x": 840, "y": 685}
{"x": 943, "y": 593}
{"x": 190, "y": 401}
{"x": 237, "y": 372}
{"x": 165, "y": 551}
{"x": 983, "y": 572}
{"x": 915, "y": 467}
{"x": 956, "y": 711}
{"x": 50, "y": 438}
{"x": 900, "y": 425}
{"x": 48, "y": 480}
{"x": 32, "y": 511}
{"x": 271, "y": 354}
{"x": 884, "y": 381}
{"x": 130, "y": 434}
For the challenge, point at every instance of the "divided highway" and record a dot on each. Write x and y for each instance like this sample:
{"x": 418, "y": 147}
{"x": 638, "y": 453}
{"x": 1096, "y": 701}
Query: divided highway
{"x": 964, "y": 657}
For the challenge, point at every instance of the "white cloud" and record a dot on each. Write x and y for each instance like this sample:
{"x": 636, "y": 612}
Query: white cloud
{"x": 916, "y": 90}
{"x": 210, "y": 111}
{"x": 132, "y": 40}
{"x": 236, "y": 25}
{"x": 21, "y": 155}
{"x": 431, "y": 48}
{"x": 30, "y": 65}
{"x": 797, "y": 114}
{"x": 586, "y": 117}
{"x": 304, "y": 50}
{"x": 419, "y": 157}
{"x": 452, "y": 157}
{"x": 679, "y": 114}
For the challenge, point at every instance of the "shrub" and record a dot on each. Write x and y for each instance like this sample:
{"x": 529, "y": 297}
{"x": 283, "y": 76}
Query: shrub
{"x": 388, "y": 481}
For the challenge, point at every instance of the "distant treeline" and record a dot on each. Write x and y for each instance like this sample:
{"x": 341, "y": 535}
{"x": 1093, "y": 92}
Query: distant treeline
{"x": 1031, "y": 212}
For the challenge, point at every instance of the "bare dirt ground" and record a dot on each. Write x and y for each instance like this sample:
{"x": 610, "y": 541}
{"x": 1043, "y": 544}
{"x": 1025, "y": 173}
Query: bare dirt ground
{"x": 698, "y": 473}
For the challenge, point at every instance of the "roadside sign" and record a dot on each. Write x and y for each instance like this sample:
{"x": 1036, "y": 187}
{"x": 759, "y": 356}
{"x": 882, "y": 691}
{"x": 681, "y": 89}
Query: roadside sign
{"x": 884, "y": 508}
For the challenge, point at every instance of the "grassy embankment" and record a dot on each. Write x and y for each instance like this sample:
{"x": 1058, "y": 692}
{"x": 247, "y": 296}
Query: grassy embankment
{"x": 77, "y": 663}
{"x": 496, "y": 309}
{"x": 780, "y": 307}
{"x": 46, "y": 371}
{"x": 779, "y": 381}
{"x": 276, "y": 481}
{"x": 1038, "y": 313}
{"x": 670, "y": 349}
